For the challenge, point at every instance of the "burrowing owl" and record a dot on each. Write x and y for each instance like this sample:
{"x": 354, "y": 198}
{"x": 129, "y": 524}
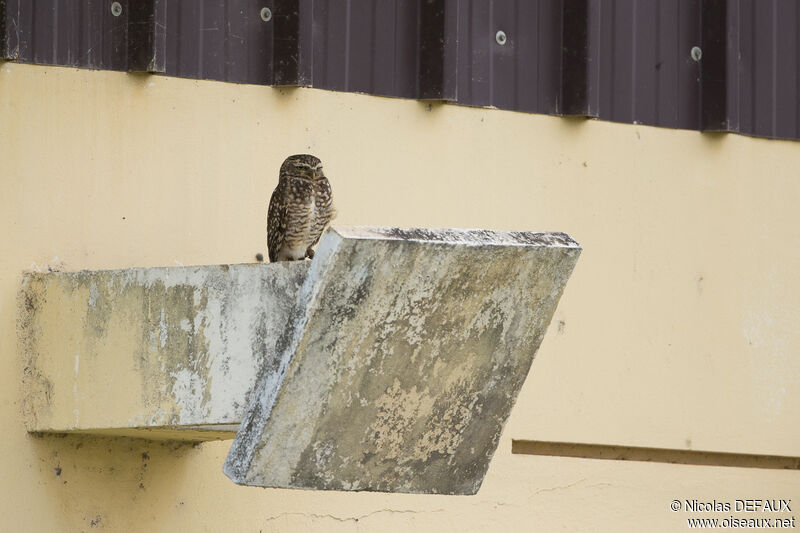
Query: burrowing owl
{"x": 299, "y": 210}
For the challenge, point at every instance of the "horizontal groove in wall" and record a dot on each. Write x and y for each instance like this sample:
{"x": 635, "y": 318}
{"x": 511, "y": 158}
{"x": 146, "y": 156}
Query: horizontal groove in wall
{"x": 656, "y": 455}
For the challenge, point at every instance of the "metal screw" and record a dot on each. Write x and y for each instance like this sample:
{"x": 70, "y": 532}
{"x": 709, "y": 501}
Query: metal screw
{"x": 696, "y": 53}
{"x": 500, "y": 37}
{"x": 266, "y": 14}
{"x": 116, "y": 9}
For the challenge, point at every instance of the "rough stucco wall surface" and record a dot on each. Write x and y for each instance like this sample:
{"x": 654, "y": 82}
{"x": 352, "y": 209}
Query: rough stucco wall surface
{"x": 677, "y": 328}
{"x": 408, "y": 350}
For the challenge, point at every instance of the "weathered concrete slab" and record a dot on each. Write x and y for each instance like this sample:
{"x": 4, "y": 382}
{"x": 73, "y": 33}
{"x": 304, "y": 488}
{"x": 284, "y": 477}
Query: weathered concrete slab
{"x": 390, "y": 362}
{"x": 150, "y": 352}
{"x": 406, "y": 354}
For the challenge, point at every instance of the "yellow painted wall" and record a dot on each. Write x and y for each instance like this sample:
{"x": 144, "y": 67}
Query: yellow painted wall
{"x": 678, "y": 329}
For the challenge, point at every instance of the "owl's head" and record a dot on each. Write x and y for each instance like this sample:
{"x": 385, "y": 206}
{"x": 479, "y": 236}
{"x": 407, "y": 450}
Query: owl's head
{"x": 302, "y": 165}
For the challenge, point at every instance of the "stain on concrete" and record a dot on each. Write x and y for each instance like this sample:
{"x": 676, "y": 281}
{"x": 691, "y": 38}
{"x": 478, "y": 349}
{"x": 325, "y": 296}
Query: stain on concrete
{"x": 408, "y": 352}
{"x": 390, "y": 362}
{"x": 167, "y": 348}
{"x": 39, "y": 388}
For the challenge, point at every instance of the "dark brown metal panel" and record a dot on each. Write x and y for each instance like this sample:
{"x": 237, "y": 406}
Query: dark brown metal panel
{"x": 386, "y": 19}
{"x": 450, "y": 52}
{"x": 3, "y": 37}
{"x": 147, "y": 36}
{"x": 786, "y": 57}
{"x": 575, "y": 58}
{"x": 63, "y": 32}
{"x": 248, "y": 42}
{"x": 360, "y": 31}
{"x": 594, "y": 34}
{"x": 158, "y": 45}
{"x": 403, "y": 52}
{"x": 525, "y": 38}
{"x": 645, "y": 56}
{"x": 107, "y": 42}
{"x": 213, "y": 25}
{"x": 549, "y": 56}
{"x": 604, "y": 55}
{"x": 730, "y": 119}
{"x": 742, "y": 76}
{"x": 617, "y": 88}
{"x": 516, "y": 52}
{"x": 88, "y": 34}
{"x": 224, "y": 40}
{"x": 184, "y": 20}
{"x": 330, "y": 38}
{"x": 510, "y": 54}
{"x": 689, "y": 84}
{"x": 307, "y": 40}
{"x": 762, "y": 67}
{"x": 739, "y": 66}
{"x": 291, "y": 44}
{"x": 671, "y": 55}
{"x": 13, "y": 23}
{"x": 431, "y": 76}
{"x": 234, "y": 40}
{"x": 502, "y": 58}
{"x": 474, "y": 65}
{"x": 645, "y": 72}
{"x": 258, "y": 39}
{"x": 392, "y": 48}
{"x": 715, "y": 65}
{"x": 407, "y": 39}
{"x": 360, "y": 47}
{"x": 5, "y": 6}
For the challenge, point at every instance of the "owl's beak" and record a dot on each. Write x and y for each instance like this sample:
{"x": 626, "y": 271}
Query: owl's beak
{"x": 317, "y": 172}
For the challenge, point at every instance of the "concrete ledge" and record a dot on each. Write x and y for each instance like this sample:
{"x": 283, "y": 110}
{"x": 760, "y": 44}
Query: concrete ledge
{"x": 389, "y": 363}
{"x": 406, "y": 352}
{"x": 150, "y": 352}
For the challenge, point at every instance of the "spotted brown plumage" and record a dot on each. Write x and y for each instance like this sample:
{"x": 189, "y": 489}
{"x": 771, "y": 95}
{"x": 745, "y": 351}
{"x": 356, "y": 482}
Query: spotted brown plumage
{"x": 300, "y": 209}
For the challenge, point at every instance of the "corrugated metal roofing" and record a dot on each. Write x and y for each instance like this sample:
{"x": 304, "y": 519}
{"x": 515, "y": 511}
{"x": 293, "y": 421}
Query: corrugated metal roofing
{"x": 641, "y": 65}
{"x": 79, "y": 34}
{"x": 219, "y": 40}
{"x": 763, "y": 67}
{"x": 620, "y": 60}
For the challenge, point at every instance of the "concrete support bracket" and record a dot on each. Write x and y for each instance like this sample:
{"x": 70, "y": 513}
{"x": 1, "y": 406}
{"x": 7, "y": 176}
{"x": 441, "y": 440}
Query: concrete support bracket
{"x": 390, "y": 362}
{"x": 403, "y": 360}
